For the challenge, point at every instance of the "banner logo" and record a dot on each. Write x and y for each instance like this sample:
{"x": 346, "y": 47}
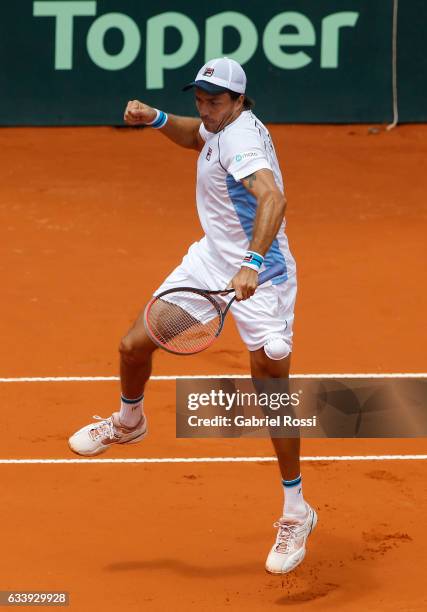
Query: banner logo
{"x": 284, "y": 49}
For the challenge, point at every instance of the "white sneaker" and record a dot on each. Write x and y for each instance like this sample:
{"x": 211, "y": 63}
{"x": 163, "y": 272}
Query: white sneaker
{"x": 289, "y": 548}
{"x": 95, "y": 438}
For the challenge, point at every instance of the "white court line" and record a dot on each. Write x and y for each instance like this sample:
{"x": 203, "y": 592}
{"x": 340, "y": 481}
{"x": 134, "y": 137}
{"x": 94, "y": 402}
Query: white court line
{"x": 214, "y": 376}
{"x": 214, "y": 459}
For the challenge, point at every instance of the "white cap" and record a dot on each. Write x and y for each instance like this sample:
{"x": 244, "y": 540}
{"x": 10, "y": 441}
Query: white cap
{"x": 219, "y": 75}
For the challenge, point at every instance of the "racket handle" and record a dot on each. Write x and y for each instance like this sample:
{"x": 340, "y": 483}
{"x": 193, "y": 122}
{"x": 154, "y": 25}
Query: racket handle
{"x": 272, "y": 272}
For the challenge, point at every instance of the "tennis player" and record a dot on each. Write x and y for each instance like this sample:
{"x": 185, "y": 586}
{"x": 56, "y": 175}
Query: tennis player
{"x": 241, "y": 205}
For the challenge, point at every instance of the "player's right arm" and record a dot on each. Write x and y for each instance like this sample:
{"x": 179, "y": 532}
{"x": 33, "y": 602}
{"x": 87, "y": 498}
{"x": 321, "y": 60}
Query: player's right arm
{"x": 183, "y": 131}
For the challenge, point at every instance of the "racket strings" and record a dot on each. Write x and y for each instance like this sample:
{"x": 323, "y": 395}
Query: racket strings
{"x": 183, "y": 321}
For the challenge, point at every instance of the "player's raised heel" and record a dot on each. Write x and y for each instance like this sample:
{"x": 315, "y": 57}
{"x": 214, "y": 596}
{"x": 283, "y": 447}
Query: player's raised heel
{"x": 289, "y": 548}
{"x": 96, "y": 438}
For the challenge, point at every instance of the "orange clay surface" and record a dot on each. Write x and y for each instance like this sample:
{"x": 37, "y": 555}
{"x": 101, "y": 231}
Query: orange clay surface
{"x": 92, "y": 219}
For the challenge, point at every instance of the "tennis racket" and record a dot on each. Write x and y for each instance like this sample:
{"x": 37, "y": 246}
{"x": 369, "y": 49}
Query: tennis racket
{"x": 187, "y": 320}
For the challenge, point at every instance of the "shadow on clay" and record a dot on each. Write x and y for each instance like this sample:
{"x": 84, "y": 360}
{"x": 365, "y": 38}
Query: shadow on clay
{"x": 333, "y": 565}
{"x": 184, "y": 568}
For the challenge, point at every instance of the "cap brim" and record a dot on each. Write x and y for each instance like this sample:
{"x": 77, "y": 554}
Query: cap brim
{"x": 208, "y": 87}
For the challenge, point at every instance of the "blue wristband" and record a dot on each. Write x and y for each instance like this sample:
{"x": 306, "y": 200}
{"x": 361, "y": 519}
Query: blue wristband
{"x": 159, "y": 121}
{"x": 253, "y": 260}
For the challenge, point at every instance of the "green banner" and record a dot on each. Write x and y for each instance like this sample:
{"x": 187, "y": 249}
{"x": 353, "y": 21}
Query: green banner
{"x": 77, "y": 62}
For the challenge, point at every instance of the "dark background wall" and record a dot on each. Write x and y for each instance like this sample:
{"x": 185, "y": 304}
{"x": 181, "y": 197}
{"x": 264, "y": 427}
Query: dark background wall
{"x": 79, "y": 62}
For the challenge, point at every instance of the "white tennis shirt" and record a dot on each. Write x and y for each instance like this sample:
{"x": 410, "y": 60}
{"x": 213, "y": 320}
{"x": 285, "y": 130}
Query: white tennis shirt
{"x": 226, "y": 209}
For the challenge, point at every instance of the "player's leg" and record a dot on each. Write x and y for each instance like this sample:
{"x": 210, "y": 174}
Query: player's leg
{"x": 298, "y": 518}
{"x": 136, "y": 350}
{"x": 129, "y": 425}
{"x": 265, "y": 325}
{"x": 287, "y": 449}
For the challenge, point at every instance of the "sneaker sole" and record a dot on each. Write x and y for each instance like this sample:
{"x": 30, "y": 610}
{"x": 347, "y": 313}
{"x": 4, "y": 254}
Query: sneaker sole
{"x": 283, "y": 572}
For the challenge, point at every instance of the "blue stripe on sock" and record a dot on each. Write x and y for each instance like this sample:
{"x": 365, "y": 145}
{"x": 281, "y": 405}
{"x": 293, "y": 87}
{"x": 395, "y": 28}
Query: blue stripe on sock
{"x": 292, "y": 483}
{"x": 132, "y": 401}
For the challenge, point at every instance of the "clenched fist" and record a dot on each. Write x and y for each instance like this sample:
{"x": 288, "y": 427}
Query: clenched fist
{"x": 244, "y": 283}
{"x": 138, "y": 113}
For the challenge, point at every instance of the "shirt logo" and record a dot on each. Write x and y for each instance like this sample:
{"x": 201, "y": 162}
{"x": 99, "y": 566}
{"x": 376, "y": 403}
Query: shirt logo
{"x": 240, "y": 156}
{"x": 208, "y": 154}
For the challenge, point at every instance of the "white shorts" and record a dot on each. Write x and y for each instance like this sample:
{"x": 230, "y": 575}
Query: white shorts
{"x": 269, "y": 313}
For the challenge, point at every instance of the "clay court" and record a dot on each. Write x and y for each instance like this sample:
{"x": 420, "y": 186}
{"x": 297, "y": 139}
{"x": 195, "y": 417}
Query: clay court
{"x": 92, "y": 220}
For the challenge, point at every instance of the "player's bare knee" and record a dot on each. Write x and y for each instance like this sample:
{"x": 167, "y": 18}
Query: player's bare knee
{"x": 126, "y": 348}
{"x": 131, "y": 351}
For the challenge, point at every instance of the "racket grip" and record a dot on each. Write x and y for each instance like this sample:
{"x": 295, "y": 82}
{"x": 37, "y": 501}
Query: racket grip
{"x": 272, "y": 272}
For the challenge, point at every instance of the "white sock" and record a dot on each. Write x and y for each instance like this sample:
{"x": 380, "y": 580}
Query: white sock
{"x": 131, "y": 411}
{"x": 294, "y": 501}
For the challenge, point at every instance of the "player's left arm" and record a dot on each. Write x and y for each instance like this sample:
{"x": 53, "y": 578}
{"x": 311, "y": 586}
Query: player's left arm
{"x": 270, "y": 212}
